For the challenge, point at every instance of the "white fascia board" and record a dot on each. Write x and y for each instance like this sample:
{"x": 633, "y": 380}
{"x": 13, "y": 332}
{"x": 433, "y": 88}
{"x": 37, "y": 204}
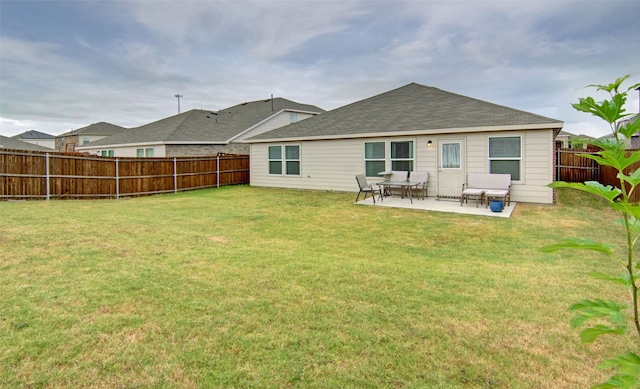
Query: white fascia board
{"x": 196, "y": 142}
{"x": 544, "y": 126}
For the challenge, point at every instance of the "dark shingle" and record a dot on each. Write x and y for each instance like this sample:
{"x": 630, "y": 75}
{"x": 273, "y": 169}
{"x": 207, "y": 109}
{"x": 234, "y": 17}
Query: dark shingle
{"x": 10, "y": 143}
{"x": 411, "y": 108}
{"x": 207, "y": 127}
{"x": 32, "y": 134}
{"x": 101, "y": 128}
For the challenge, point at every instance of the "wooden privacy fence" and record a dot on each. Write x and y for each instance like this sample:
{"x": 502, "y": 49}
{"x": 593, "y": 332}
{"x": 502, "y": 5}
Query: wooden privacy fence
{"x": 45, "y": 175}
{"x": 571, "y": 167}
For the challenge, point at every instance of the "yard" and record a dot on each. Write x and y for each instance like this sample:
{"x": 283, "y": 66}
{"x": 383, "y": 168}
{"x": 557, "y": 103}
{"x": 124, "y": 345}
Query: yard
{"x": 257, "y": 287}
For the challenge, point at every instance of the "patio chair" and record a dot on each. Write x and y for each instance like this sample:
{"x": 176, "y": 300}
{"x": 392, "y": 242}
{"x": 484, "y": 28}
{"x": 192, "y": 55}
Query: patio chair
{"x": 396, "y": 175}
{"x": 365, "y": 188}
{"x": 422, "y": 178}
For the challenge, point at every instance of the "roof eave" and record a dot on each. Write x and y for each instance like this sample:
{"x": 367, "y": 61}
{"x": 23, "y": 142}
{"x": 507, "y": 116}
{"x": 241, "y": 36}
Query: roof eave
{"x": 523, "y": 127}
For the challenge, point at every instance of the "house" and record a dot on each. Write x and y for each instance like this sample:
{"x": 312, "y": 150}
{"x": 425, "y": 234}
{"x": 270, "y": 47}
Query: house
{"x": 17, "y": 144}
{"x": 567, "y": 140}
{"x": 634, "y": 142}
{"x": 203, "y": 132}
{"x": 70, "y": 141}
{"x": 37, "y": 138}
{"x": 414, "y": 127}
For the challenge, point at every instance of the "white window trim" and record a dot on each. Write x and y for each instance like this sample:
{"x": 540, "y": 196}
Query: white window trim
{"x": 387, "y": 152}
{"x": 269, "y": 160}
{"x": 520, "y": 159}
{"x": 283, "y": 160}
{"x": 364, "y": 154}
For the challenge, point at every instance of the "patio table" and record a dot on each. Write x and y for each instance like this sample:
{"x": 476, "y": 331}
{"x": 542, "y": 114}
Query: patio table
{"x": 403, "y": 185}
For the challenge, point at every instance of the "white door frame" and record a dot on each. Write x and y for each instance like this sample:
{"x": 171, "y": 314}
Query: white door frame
{"x": 450, "y": 179}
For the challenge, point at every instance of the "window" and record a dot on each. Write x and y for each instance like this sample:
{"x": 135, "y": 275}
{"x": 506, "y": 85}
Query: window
{"x": 275, "y": 160}
{"x": 86, "y": 139}
{"x": 505, "y": 155}
{"x": 144, "y": 152}
{"x": 374, "y": 158}
{"x": 107, "y": 153}
{"x": 402, "y": 156}
{"x": 290, "y": 164}
{"x": 292, "y": 155}
{"x": 376, "y": 155}
{"x": 294, "y": 117}
{"x": 450, "y": 155}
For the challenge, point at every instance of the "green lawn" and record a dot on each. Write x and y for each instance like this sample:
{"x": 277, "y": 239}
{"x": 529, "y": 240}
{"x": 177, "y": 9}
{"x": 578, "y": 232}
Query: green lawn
{"x": 271, "y": 288}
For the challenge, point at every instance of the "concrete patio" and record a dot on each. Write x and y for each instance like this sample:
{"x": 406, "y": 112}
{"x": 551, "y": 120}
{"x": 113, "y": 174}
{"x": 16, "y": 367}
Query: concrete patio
{"x": 439, "y": 205}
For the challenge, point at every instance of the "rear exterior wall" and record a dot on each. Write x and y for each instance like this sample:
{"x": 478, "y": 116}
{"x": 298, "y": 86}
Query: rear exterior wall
{"x": 333, "y": 164}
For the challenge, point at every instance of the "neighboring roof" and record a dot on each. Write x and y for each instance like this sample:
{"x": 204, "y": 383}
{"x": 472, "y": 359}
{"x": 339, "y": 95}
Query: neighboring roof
{"x": 411, "y": 109}
{"x": 570, "y": 135}
{"x": 101, "y": 128}
{"x": 33, "y": 135}
{"x": 206, "y": 127}
{"x": 630, "y": 119}
{"x": 567, "y": 134}
{"x": 10, "y": 143}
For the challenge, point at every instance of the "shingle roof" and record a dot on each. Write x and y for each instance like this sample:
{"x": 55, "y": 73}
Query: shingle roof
{"x": 10, "y": 143}
{"x": 101, "y": 128}
{"x": 32, "y": 134}
{"x": 207, "y": 127}
{"x": 412, "y": 108}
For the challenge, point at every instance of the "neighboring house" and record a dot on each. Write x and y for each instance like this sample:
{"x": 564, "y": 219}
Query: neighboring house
{"x": 37, "y": 138}
{"x": 634, "y": 142}
{"x": 16, "y": 144}
{"x": 567, "y": 140}
{"x": 414, "y": 127}
{"x": 70, "y": 141}
{"x": 202, "y": 132}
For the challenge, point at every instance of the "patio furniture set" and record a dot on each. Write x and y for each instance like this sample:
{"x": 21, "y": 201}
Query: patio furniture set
{"x": 484, "y": 187}
{"x": 481, "y": 187}
{"x": 402, "y": 180}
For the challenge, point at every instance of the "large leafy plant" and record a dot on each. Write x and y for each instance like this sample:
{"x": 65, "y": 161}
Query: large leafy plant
{"x": 611, "y": 317}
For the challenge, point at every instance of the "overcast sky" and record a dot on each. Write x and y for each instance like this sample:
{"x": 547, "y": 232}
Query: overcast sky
{"x": 67, "y": 64}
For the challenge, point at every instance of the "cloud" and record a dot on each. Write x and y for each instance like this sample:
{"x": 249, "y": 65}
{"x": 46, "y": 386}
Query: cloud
{"x": 267, "y": 29}
{"x": 75, "y": 63}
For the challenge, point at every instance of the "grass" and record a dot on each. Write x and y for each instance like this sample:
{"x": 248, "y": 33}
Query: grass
{"x": 272, "y": 288}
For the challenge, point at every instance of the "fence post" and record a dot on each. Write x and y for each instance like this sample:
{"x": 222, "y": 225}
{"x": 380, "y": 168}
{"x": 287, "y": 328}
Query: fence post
{"x": 117, "y": 180}
{"x": 46, "y": 159}
{"x": 217, "y": 171}
{"x": 558, "y": 162}
{"x": 175, "y": 175}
